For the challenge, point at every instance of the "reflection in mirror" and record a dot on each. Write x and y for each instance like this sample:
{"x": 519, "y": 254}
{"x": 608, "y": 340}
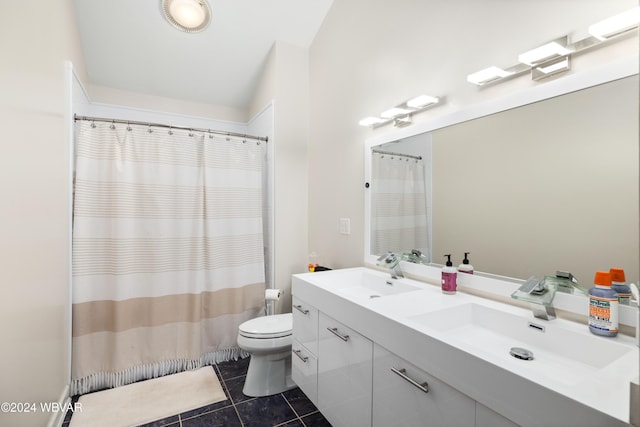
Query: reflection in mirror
{"x": 547, "y": 186}
{"x": 400, "y": 202}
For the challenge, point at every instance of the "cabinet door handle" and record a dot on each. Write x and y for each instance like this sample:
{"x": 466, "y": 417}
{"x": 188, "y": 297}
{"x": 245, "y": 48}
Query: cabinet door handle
{"x": 299, "y": 354}
{"x": 403, "y": 374}
{"x": 300, "y": 309}
{"x": 335, "y": 332}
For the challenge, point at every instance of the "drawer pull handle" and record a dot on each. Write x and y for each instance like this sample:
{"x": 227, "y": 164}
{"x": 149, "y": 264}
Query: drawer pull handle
{"x": 300, "y": 309}
{"x": 335, "y": 332}
{"x": 403, "y": 374}
{"x": 299, "y": 354}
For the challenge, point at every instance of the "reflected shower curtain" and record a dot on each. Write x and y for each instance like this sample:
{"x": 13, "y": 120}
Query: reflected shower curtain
{"x": 167, "y": 251}
{"x": 398, "y": 205}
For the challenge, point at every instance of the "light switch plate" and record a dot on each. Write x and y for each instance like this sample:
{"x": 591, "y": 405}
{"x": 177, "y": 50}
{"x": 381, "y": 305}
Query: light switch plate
{"x": 345, "y": 225}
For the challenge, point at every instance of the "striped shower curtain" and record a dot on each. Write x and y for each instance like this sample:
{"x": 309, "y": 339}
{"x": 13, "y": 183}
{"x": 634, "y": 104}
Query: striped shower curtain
{"x": 398, "y": 205}
{"x": 168, "y": 254}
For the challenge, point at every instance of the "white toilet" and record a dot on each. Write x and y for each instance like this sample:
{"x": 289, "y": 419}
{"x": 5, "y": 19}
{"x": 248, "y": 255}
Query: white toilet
{"x": 268, "y": 340}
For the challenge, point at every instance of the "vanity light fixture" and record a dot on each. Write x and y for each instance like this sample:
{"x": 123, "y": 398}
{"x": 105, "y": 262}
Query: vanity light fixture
{"x": 422, "y": 101}
{"x": 554, "y": 57}
{"x": 394, "y": 112}
{"x": 371, "y": 121}
{"x": 616, "y": 25}
{"x": 488, "y": 75}
{"x": 190, "y": 16}
{"x": 401, "y": 114}
{"x": 544, "y": 53}
{"x": 549, "y": 68}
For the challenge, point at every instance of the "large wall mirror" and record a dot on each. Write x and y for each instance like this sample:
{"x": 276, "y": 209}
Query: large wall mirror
{"x": 551, "y": 185}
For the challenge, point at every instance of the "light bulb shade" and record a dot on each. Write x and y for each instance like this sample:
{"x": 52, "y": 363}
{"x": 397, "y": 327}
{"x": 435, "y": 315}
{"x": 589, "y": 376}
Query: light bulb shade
{"x": 615, "y": 25}
{"x": 394, "y": 112}
{"x": 190, "y": 16}
{"x": 422, "y": 101}
{"x": 370, "y": 121}
{"x": 543, "y": 53}
{"x": 487, "y": 75}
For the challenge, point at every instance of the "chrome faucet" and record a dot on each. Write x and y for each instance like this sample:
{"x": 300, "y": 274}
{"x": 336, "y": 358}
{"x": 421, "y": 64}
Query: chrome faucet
{"x": 391, "y": 262}
{"x": 539, "y": 296}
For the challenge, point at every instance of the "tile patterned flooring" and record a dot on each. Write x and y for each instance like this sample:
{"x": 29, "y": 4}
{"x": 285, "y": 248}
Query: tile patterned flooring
{"x": 289, "y": 409}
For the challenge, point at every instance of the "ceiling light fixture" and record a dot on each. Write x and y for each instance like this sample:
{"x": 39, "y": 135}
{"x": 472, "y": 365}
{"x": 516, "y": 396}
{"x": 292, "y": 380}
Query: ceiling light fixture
{"x": 400, "y": 115}
{"x": 616, "y": 25}
{"x": 190, "y": 16}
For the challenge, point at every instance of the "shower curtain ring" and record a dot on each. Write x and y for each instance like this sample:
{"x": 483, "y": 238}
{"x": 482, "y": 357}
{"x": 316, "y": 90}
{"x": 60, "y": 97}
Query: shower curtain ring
{"x": 170, "y": 131}
{"x": 190, "y": 132}
{"x": 93, "y": 124}
{"x": 112, "y": 126}
{"x": 149, "y": 129}
{"x": 210, "y": 134}
{"x": 128, "y": 127}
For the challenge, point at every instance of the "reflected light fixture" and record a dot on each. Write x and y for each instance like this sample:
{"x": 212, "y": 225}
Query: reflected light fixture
{"x": 401, "y": 114}
{"x": 616, "y": 25}
{"x": 190, "y": 16}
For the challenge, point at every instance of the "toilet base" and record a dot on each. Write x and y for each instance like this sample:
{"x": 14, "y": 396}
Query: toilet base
{"x": 268, "y": 374}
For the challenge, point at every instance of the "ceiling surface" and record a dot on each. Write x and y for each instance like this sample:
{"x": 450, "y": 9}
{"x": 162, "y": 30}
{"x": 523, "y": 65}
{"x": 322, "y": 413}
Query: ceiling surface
{"x": 128, "y": 45}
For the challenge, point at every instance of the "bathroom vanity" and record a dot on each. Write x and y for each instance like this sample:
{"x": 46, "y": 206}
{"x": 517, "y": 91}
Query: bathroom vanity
{"x": 370, "y": 350}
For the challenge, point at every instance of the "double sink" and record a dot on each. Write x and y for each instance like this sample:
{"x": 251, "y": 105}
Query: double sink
{"x": 559, "y": 355}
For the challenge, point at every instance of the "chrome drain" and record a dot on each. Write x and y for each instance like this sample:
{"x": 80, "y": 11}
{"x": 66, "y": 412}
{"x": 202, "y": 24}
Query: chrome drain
{"x": 521, "y": 353}
{"x": 374, "y": 296}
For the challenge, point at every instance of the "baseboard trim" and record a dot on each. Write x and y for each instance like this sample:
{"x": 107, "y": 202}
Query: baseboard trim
{"x": 64, "y": 402}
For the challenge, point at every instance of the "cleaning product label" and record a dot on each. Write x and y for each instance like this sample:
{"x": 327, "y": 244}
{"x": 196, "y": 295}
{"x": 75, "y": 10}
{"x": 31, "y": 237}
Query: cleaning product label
{"x": 603, "y": 314}
{"x": 624, "y": 299}
{"x": 449, "y": 284}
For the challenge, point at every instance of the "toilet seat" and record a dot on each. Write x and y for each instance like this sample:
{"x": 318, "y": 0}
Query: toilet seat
{"x": 276, "y": 326}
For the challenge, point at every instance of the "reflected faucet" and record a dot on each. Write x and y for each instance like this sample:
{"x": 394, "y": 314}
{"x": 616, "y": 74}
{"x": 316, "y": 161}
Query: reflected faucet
{"x": 391, "y": 262}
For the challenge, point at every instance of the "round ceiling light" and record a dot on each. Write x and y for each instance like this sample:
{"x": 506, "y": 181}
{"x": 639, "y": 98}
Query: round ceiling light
{"x": 190, "y": 16}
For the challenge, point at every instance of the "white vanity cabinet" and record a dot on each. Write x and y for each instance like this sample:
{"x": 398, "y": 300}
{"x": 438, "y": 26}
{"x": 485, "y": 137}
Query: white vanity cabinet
{"x": 344, "y": 374}
{"x": 304, "y": 348}
{"x": 404, "y": 396}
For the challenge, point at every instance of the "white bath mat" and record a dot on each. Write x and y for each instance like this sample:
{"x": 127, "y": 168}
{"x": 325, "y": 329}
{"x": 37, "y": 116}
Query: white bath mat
{"x": 149, "y": 400}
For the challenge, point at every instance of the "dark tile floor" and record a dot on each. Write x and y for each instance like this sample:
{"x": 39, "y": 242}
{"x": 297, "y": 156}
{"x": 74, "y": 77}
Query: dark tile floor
{"x": 291, "y": 408}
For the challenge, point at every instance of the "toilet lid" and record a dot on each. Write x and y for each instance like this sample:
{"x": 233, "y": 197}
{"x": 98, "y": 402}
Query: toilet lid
{"x": 275, "y": 326}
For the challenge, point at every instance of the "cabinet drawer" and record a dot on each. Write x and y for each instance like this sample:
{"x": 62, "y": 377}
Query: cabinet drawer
{"x": 304, "y": 370}
{"x": 305, "y": 324}
{"x": 404, "y": 395}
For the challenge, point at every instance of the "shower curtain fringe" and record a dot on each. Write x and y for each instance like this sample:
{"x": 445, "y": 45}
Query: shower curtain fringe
{"x": 104, "y": 380}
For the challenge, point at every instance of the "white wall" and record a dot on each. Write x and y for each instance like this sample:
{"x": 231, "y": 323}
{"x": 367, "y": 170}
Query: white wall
{"x": 285, "y": 80}
{"x": 370, "y": 55}
{"x": 34, "y": 218}
{"x": 106, "y": 95}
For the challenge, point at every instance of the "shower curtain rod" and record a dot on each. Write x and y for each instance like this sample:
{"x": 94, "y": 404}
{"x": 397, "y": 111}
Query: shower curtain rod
{"x": 391, "y": 153}
{"x": 160, "y": 125}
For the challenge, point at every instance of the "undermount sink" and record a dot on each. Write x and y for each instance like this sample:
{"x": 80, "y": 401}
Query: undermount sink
{"x": 559, "y": 354}
{"x": 371, "y": 286}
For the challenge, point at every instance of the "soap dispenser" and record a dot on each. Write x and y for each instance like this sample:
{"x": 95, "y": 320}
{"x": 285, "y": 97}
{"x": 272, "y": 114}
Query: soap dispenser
{"x": 449, "y": 277}
{"x": 465, "y": 267}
